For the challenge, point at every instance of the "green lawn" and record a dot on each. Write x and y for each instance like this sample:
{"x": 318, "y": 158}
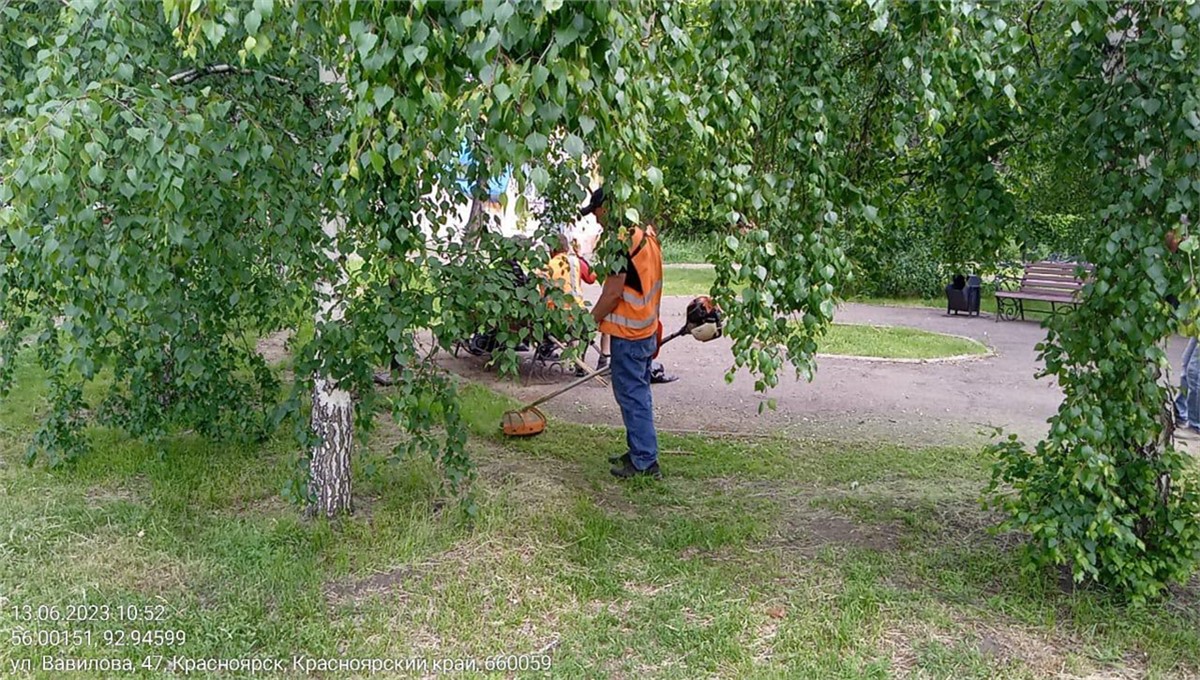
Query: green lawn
{"x": 693, "y": 279}
{"x": 697, "y": 279}
{"x": 687, "y": 281}
{"x": 753, "y": 558}
{"x": 678, "y": 250}
{"x": 895, "y": 342}
{"x": 906, "y": 302}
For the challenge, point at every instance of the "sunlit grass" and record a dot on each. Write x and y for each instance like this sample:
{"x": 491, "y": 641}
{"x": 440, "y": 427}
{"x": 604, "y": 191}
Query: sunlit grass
{"x": 687, "y": 281}
{"x": 895, "y": 342}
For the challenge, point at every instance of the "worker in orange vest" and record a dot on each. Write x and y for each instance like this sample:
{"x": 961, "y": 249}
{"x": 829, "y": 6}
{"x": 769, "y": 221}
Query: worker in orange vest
{"x": 628, "y": 311}
{"x": 565, "y": 270}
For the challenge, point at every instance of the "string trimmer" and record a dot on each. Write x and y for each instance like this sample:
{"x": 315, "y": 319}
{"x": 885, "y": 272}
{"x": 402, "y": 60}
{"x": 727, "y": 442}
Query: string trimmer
{"x": 703, "y": 323}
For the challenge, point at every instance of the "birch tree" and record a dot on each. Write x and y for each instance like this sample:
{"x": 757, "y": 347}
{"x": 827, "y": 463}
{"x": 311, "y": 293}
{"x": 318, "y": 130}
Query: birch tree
{"x": 173, "y": 174}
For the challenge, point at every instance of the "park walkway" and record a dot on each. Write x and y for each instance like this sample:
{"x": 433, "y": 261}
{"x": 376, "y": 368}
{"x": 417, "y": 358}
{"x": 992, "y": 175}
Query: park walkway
{"x": 935, "y": 403}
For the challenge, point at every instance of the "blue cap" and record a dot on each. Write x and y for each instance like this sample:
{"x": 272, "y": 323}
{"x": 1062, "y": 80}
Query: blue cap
{"x": 496, "y": 186}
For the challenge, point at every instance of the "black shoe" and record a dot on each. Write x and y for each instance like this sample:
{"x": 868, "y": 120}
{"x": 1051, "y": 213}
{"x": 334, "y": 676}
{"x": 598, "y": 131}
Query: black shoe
{"x": 623, "y": 459}
{"x": 658, "y": 374}
{"x": 602, "y": 362}
{"x": 579, "y": 372}
{"x": 628, "y": 471}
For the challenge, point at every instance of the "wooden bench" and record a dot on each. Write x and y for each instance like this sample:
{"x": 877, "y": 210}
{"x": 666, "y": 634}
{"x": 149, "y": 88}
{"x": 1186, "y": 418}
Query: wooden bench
{"x": 1058, "y": 283}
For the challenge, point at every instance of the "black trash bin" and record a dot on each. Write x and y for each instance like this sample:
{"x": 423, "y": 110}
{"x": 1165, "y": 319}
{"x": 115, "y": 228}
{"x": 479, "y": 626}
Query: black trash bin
{"x": 962, "y": 295}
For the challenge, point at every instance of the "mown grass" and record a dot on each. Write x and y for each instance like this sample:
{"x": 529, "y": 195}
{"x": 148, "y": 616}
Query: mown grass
{"x": 1034, "y": 311}
{"x": 920, "y": 302}
{"x": 687, "y": 281}
{"x": 895, "y": 342}
{"x": 765, "y": 558}
{"x": 697, "y": 280}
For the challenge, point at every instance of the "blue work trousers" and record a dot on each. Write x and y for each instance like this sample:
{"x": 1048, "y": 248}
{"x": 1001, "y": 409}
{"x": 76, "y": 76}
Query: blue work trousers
{"x": 1187, "y": 401}
{"x": 631, "y": 386}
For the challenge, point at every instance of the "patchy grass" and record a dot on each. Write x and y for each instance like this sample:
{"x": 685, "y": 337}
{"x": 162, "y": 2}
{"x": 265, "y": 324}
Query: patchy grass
{"x": 753, "y": 558}
{"x": 895, "y": 342}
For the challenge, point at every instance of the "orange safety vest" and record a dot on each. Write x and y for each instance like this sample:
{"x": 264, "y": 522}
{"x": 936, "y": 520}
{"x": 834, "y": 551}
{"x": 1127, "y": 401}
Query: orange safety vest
{"x": 564, "y": 272}
{"x": 636, "y": 314}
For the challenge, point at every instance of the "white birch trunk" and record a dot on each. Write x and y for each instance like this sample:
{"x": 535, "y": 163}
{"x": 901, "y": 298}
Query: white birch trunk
{"x": 333, "y": 423}
{"x": 332, "y": 419}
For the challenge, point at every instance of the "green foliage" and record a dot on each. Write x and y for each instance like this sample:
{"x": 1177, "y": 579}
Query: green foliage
{"x": 148, "y": 207}
{"x": 524, "y": 84}
{"x": 172, "y": 188}
{"x": 1107, "y": 492}
{"x": 689, "y": 217}
{"x": 1056, "y": 234}
{"x": 179, "y": 178}
{"x": 900, "y": 258}
{"x": 910, "y": 272}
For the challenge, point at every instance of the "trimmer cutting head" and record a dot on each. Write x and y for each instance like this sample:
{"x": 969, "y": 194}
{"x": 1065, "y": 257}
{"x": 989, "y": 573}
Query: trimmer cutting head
{"x": 524, "y": 423}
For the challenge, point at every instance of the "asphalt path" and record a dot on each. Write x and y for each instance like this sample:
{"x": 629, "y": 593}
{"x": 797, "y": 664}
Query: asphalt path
{"x": 915, "y": 403}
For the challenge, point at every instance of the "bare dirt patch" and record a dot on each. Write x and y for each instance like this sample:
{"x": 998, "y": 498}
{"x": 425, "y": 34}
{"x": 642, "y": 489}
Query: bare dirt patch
{"x": 1008, "y": 642}
{"x": 817, "y": 529}
{"x": 388, "y": 581}
{"x": 1005, "y": 644}
{"x": 130, "y": 490}
{"x": 1186, "y": 597}
{"x": 807, "y": 528}
{"x": 269, "y": 505}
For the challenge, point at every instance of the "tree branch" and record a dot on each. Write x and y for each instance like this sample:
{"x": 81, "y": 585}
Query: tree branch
{"x": 648, "y": 29}
{"x": 865, "y": 55}
{"x": 192, "y": 75}
{"x": 1029, "y": 30}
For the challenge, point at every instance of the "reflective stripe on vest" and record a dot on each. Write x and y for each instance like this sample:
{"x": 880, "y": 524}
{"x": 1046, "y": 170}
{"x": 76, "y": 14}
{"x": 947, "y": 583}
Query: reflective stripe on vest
{"x": 573, "y": 271}
{"x": 635, "y": 299}
{"x": 636, "y": 324}
{"x": 566, "y": 277}
{"x": 636, "y": 315}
